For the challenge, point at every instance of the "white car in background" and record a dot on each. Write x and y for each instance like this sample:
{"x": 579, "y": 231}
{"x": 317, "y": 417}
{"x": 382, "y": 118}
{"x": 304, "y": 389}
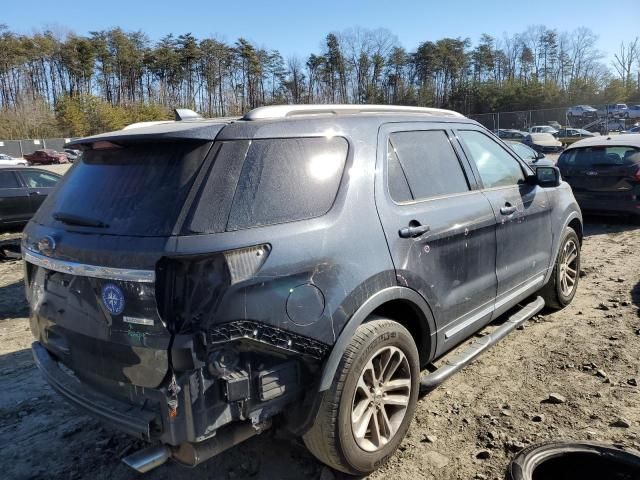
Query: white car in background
{"x": 543, "y": 129}
{"x": 9, "y": 161}
{"x": 633, "y": 111}
{"x": 582, "y": 111}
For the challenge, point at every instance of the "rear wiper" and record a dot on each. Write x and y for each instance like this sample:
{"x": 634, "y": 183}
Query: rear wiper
{"x": 71, "y": 219}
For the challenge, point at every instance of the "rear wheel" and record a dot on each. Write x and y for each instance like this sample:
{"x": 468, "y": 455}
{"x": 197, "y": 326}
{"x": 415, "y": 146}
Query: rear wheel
{"x": 561, "y": 287}
{"x": 366, "y": 413}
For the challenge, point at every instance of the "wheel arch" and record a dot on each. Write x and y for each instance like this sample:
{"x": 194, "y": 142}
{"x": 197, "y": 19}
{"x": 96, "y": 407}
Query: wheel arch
{"x": 401, "y": 304}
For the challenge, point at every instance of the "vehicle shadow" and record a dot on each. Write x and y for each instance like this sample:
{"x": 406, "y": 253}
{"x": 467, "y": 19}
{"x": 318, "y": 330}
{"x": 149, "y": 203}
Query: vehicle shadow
{"x": 12, "y": 300}
{"x": 43, "y": 436}
{"x": 603, "y": 224}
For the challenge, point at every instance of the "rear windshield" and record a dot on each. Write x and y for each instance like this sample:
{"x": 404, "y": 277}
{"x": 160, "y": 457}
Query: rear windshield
{"x": 599, "y": 156}
{"x": 135, "y": 189}
{"x": 269, "y": 181}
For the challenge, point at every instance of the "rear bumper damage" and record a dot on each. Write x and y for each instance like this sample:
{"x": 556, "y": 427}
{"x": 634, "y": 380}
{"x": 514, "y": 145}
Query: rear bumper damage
{"x": 199, "y": 413}
{"x": 126, "y": 417}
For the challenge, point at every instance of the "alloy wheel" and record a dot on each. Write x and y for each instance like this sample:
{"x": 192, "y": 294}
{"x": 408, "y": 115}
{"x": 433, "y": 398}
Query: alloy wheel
{"x": 569, "y": 268}
{"x": 381, "y": 398}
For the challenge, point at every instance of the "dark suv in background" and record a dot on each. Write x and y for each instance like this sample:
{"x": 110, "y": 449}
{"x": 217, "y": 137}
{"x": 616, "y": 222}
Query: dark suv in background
{"x": 196, "y": 282}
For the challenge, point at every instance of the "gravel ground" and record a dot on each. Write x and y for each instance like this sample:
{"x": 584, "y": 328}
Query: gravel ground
{"x": 586, "y": 354}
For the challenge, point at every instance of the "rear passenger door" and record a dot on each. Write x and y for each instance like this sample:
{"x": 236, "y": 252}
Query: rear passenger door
{"x": 523, "y": 215}
{"x": 439, "y": 228}
{"x": 14, "y": 198}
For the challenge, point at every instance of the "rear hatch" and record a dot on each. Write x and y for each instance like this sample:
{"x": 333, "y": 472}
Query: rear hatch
{"x": 601, "y": 170}
{"x": 91, "y": 253}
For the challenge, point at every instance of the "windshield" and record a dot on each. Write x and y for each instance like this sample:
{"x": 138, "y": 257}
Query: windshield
{"x": 133, "y": 190}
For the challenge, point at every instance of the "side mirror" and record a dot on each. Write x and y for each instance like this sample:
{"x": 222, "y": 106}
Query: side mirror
{"x": 546, "y": 177}
{"x": 539, "y": 155}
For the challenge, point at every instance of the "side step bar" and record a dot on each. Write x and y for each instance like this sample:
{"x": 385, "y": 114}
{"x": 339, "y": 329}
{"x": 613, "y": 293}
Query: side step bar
{"x": 464, "y": 358}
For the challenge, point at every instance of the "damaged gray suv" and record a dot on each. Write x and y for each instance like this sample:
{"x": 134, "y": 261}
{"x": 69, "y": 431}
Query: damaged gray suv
{"x": 196, "y": 282}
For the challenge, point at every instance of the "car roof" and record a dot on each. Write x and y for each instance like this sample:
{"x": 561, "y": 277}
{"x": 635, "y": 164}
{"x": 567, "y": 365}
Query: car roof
{"x": 630, "y": 140}
{"x": 281, "y": 116}
{"x": 18, "y": 168}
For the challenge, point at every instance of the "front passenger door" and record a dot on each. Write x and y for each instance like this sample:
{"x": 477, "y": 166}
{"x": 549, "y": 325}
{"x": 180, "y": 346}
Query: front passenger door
{"x": 523, "y": 216}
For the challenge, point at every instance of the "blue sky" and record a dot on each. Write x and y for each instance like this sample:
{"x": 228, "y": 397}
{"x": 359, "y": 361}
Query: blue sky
{"x": 299, "y": 27}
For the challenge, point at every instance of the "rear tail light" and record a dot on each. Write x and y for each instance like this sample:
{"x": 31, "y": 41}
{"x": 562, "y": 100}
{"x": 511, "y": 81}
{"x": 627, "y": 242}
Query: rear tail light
{"x": 189, "y": 289}
{"x": 637, "y": 175}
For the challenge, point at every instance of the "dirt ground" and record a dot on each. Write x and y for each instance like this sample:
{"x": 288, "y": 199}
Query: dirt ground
{"x": 469, "y": 428}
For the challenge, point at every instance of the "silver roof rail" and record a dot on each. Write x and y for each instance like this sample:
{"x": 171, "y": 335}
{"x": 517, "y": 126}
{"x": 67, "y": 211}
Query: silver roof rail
{"x": 284, "y": 111}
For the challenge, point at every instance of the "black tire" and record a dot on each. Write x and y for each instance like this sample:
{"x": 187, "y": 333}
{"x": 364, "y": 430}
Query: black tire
{"x": 331, "y": 439}
{"x": 574, "y": 460}
{"x": 552, "y": 292}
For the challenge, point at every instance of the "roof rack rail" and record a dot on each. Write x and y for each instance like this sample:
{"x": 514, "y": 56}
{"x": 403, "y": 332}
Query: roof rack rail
{"x": 284, "y": 111}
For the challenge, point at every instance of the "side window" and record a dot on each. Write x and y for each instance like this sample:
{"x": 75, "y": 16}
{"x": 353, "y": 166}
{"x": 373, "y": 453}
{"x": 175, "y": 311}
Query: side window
{"x": 496, "y": 167}
{"x": 429, "y": 164}
{"x": 39, "y": 179}
{"x": 8, "y": 180}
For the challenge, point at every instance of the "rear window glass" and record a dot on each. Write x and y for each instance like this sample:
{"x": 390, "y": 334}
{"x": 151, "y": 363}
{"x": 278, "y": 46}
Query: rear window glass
{"x": 599, "y": 156}
{"x": 278, "y": 180}
{"x": 137, "y": 189}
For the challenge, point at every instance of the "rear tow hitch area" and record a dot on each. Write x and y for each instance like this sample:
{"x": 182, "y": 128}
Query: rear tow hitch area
{"x": 192, "y": 454}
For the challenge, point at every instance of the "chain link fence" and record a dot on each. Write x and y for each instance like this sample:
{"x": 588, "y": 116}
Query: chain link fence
{"x": 525, "y": 119}
{"x": 19, "y": 148}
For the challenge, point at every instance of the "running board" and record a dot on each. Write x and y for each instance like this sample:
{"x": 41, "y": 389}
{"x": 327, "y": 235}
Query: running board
{"x": 473, "y": 351}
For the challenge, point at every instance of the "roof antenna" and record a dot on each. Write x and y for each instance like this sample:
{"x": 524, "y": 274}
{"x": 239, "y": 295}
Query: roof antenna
{"x": 185, "y": 114}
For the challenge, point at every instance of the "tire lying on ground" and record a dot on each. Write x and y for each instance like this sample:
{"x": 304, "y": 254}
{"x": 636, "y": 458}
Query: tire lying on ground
{"x": 575, "y": 461}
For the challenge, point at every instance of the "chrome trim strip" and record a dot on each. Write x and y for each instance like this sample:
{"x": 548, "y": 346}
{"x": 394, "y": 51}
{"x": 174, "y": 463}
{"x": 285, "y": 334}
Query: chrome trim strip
{"x": 95, "y": 271}
{"x": 461, "y": 326}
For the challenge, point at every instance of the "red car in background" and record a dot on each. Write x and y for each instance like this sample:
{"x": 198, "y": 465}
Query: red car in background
{"x": 46, "y": 157}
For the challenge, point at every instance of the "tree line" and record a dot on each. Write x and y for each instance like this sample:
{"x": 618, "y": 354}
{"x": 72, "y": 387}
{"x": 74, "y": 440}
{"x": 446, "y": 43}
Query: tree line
{"x": 70, "y": 84}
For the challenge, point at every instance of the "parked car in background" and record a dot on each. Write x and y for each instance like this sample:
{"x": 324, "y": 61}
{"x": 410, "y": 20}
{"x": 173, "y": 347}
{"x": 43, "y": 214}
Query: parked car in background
{"x": 604, "y": 173}
{"x": 22, "y": 190}
{"x": 582, "y": 111}
{"x": 9, "y": 161}
{"x": 555, "y": 125}
{"x": 543, "y": 142}
{"x": 542, "y": 129}
{"x": 567, "y": 136}
{"x": 46, "y": 157}
{"x": 618, "y": 110}
{"x": 206, "y": 280}
{"x": 72, "y": 154}
{"x": 632, "y": 130}
{"x": 633, "y": 111}
{"x": 529, "y": 155}
{"x": 510, "y": 134}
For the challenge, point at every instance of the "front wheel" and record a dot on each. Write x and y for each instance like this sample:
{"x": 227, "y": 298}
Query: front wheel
{"x": 563, "y": 284}
{"x": 366, "y": 413}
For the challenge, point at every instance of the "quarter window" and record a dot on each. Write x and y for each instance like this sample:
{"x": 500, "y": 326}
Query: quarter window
{"x": 428, "y": 163}
{"x": 496, "y": 167}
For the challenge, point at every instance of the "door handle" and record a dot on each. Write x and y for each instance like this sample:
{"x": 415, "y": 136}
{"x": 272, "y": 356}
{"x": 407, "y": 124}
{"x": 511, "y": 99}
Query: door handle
{"x": 508, "y": 209}
{"x": 34, "y": 193}
{"x": 413, "y": 230}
